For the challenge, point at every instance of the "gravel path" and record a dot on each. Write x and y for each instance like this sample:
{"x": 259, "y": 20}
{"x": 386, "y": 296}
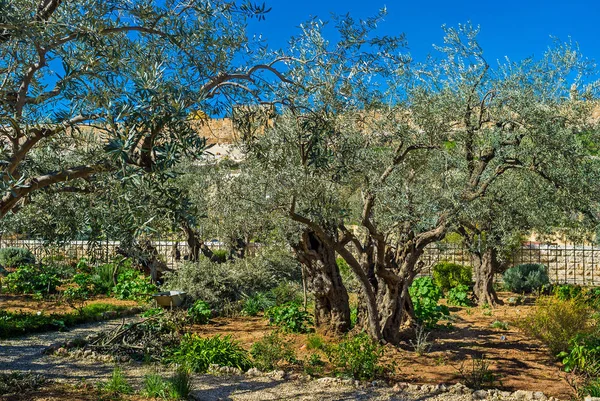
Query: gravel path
{"x": 26, "y": 354}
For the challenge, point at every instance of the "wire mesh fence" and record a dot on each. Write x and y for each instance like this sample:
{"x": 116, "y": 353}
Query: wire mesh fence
{"x": 567, "y": 263}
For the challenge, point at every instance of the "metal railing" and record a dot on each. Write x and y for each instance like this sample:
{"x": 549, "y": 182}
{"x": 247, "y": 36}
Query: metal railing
{"x": 567, "y": 263}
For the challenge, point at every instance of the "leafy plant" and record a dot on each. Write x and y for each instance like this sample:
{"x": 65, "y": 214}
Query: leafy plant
{"x": 567, "y": 291}
{"x": 459, "y": 296}
{"x": 132, "y": 284}
{"x": 290, "y": 317}
{"x": 425, "y": 296}
{"x": 555, "y": 322}
{"x": 258, "y": 302}
{"x": 356, "y": 356}
{"x": 526, "y": 278}
{"x": 16, "y": 257}
{"x": 155, "y": 386}
{"x": 33, "y": 279}
{"x": 448, "y": 275}
{"x": 314, "y": 365}
{"x": 271, "y": 351}
{"x": 315, "y": 341}
{"x": 583, "y": 355}
{"x": 117, "y": 384}
{"x": 200, "y": 312}
{"x": 199, "y": 353}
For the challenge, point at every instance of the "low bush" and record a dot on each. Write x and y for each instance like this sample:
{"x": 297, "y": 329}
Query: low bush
{"x": 447, "y": 275}
{"x": 177, "y": 387}
{"x": 271, "y": 351}
{"x": 16, "y": 257}
{"x": 218, "y": 283}
{"x": 425, "y": 296}
{"x": 478, "y": 374}
{"x": 555, "y": 322}
{"x": 526, "y": 278}
{"x": 357, "y": 357}
{"x": 200, "y": 312}
{"x": 221, "y": 255}
{"x": 133, "y": 285}
{"x": 459, "y": 296}
{"x": 197, "y": 353}
{"x": 33, "y": 279}
{"x": 315, "y": 342}
{"x": 567, "y": 291}
{"x": 290, "y": 317}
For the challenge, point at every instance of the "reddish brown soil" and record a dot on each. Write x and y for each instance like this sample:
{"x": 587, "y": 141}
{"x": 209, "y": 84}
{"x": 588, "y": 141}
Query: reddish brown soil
{"x": 518, "y": 361}
{"x": 25, "y": 303}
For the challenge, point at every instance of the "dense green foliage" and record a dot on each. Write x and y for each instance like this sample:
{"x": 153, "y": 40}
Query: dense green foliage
{"x": 132, "y": 284}
{"x": 459, "y": 296}
{"x": 200, "y": 312}
{"x": 357, "y": 357}
{"x": 526, "y": 278}
{"x": 291, "y": 317}
{"x": 425, "y": 296}
{"x": 447, "y": 275}
{"x": 16, "y": 257}
{"x": 33, "y": 279}
{"x": 199, "y": 353}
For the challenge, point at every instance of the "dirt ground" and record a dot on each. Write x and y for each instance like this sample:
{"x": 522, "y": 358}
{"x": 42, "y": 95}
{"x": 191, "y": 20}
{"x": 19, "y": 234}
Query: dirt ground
{"x": 517, "y": 361}
{"x": 26, "y": 303}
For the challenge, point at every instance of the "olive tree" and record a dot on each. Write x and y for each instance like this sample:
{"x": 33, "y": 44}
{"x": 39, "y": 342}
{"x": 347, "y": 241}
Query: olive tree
{"x": 379, "y": 157}
{"x": 90, "y": 87}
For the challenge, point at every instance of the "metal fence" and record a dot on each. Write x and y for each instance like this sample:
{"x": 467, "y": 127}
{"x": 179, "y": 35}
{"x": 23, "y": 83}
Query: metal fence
{"x": 567, "y": 263}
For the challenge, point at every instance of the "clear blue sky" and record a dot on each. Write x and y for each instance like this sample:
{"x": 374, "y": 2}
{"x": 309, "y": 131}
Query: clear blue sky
{"x": 517, "y": 29}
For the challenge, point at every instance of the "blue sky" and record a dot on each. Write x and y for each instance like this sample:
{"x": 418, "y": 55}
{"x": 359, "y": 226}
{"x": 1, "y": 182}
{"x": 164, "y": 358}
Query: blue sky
{"x": 517, "y": 29}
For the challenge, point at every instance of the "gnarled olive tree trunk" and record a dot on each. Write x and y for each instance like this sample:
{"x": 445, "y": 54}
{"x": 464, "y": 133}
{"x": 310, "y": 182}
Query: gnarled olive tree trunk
{"x": 485, "y": 265}
{"x": 332, "y": 309}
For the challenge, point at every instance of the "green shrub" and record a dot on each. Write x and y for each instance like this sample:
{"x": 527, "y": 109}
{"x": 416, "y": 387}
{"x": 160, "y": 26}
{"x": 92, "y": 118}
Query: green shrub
{"x": 32, "y": 279}
{"x": 526, "y": 278}
{"x": 583, "y": 355}
{"x": 198, "y": 353}
{"x": 357, "y": 356}
{"x": 290, "y": 317}
{"x": 555, "y": 322}
{"x": 459, "y": 296}
{"x": 497, "y": 324}
{"x": 259, "y": 302}
{"x": 287, "y": 292}
{"x": 591, "y": 388}
{"x": 271, "y": 351}
{"x": 448, "y": 275}
{"x": 200, "y": 312}
{"x": 218, "y": 283}
{"x": 315, "y": 342}
{"x": 132, "y": 284}
{"x": 567, "y": 291}
{"x": 425, "y": 296}
{"x": 16, "y": 257}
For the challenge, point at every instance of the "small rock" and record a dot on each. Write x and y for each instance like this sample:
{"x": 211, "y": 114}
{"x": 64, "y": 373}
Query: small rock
{"x": 413, "y": 388}
{"x": 62, "y": 351}
{"x": 253, "y": 372}
{"x": 480, "y": 395}
{"x": 588, "y": 398}
{"x": 459, "y": 388}
{"x": 124, "y": 358}
{"x": 538, "y": 395}
{"x": 377, "y": 383}
{"x": 522, "y": 395}
{"x": 399, "y": 387}
{"x": 87, "y": 353}
{"x": 277, "y": 374}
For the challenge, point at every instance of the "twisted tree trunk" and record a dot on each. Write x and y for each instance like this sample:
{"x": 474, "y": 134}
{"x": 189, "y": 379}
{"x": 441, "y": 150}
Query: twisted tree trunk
{"x": 485, "y": 266}
{"x": 332, "y": 308}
